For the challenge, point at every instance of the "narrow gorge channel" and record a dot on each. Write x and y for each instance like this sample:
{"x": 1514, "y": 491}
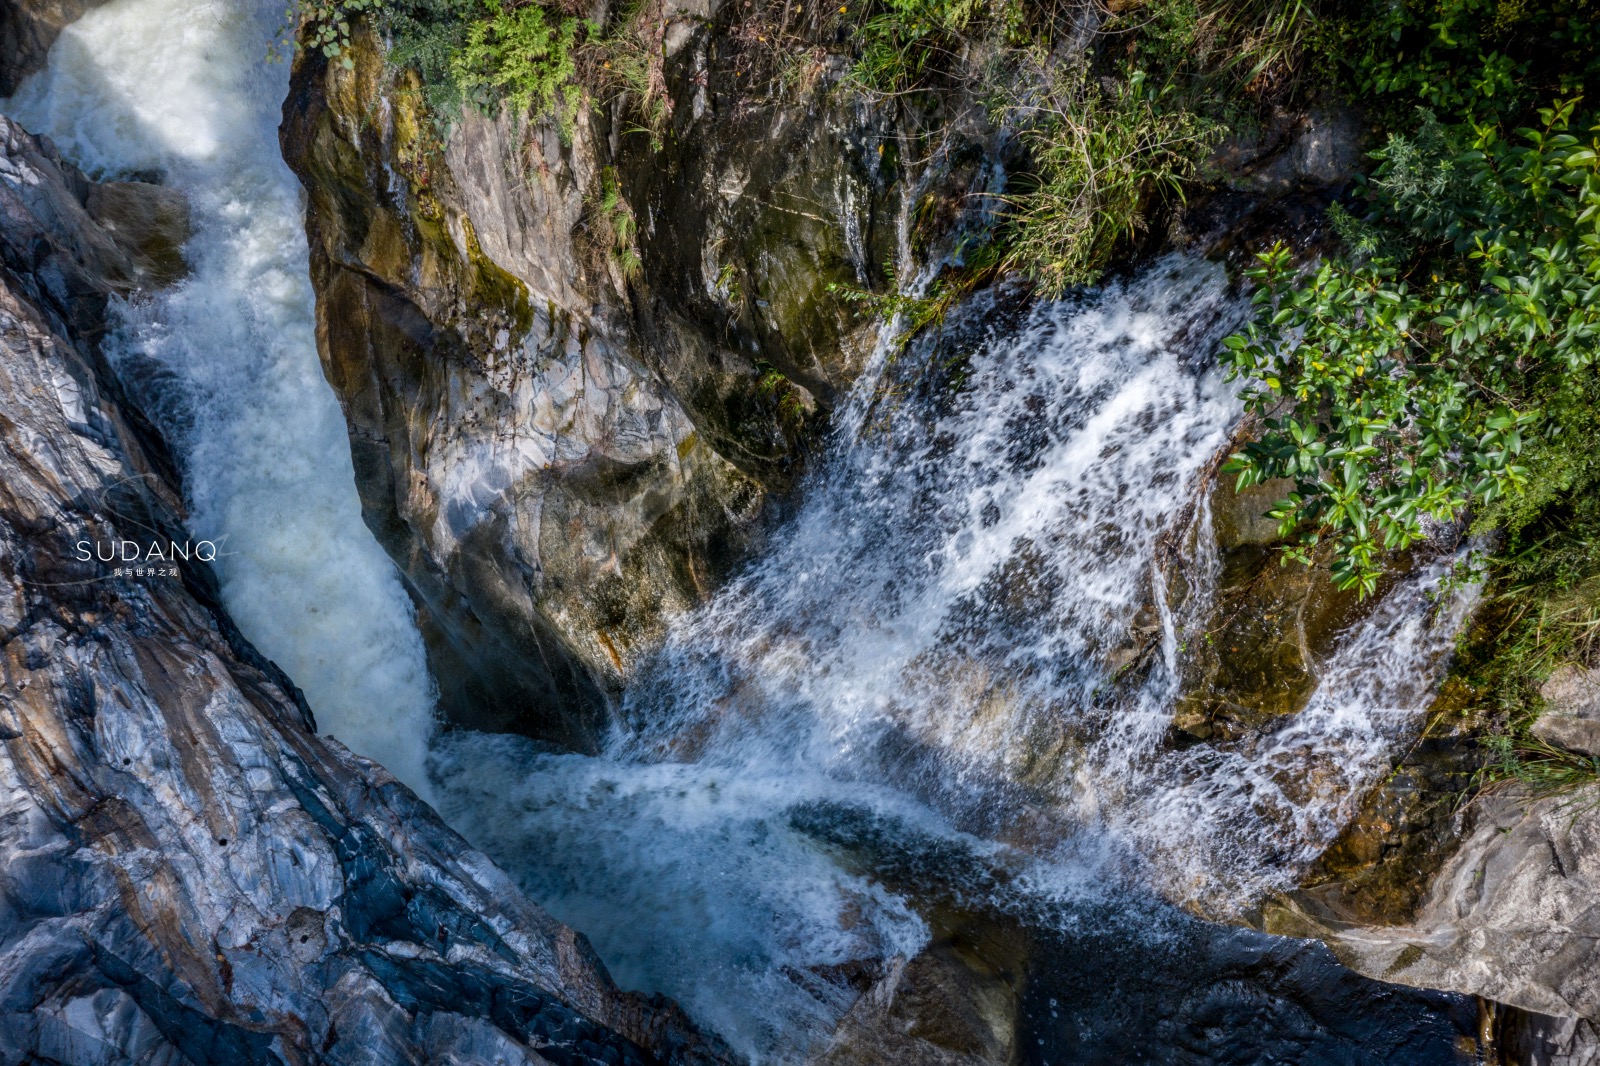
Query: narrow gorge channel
{"x": 930, "y": 720}
{"x": 227, "y": 360}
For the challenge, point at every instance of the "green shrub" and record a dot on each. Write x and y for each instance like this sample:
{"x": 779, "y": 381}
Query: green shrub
{"x": 522, "y": 56}
{"x": 1394, "y": 389}
{"x": 904, "y": 39}
{"x": 615, "y": 222}
{"x": 486, "y": 54}
{"x": 1225, "y": 44}
{"x": 1540, "y": 768}
{"x": 427, "y": 35}
{"x": 635, "y": 66}
{"x": 1486, "y": 58}
{"x": 787, "y": 397}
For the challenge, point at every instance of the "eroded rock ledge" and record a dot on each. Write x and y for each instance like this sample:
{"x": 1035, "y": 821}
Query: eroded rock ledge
{"x": 561, "y": 444}
{"x": 189, "y": 873}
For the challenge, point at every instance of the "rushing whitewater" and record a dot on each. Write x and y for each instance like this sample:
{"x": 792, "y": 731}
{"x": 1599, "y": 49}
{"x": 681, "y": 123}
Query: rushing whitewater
{"x": 228, "y": 360}
{"x": 965, "y": 632}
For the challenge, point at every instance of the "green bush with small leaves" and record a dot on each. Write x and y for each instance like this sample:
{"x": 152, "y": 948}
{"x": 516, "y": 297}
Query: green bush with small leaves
{"x": 1400, "y": 387}
{"x": 523, "y": 56}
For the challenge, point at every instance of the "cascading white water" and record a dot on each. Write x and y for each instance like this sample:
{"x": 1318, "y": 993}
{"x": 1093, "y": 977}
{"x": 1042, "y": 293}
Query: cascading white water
{"x": 1235, "y": 819}
{"x": 181, "y": 88}
{"x": 936, "y": 638}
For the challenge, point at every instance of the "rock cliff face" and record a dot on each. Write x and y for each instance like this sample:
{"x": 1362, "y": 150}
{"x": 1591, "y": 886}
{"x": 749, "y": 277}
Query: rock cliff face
{"x": 563, "y": 434}
{"x": 563, "y": 431}
{"x": 1513, "y": 915}
{"x": 27, "y": 30}
{"x": 1507, "y": 912}
{"x": 189, "y": 874}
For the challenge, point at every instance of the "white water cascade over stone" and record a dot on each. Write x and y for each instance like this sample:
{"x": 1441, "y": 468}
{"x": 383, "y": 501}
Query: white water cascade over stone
{"x": 964, "y": 634}
{"x": 181, "y": 90}
{"x": 940, "y": 640}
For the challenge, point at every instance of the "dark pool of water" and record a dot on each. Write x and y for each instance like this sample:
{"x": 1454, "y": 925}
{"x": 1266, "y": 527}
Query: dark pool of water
{"x": 1209, "y": 994}
{"x": 1109, "y": 975}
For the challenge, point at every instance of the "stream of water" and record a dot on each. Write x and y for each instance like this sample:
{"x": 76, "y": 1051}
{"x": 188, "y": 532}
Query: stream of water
{"x": 179, "y": 91}
{"x": 928, "y": 658}
{"x": 951, "y": 677}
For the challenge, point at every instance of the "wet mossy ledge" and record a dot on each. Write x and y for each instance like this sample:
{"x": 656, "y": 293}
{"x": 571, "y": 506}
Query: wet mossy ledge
{"x": 583, "y": 366}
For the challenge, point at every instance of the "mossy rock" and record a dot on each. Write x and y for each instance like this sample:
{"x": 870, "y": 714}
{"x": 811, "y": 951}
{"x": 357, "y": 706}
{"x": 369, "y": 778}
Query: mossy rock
{"x": 1254, "y": 656}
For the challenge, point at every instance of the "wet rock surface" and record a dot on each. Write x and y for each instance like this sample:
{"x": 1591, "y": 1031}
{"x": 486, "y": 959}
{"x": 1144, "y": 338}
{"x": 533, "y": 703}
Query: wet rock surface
{"x": 560, "y": 448}
{"x": 944, "y": 1007}
{"x": 189, "y": 874}
{"x": 27, "y": 30}
{"x": 1542, "y": 1041}
{"x": 1510, "y": 915}
{"x": 1255, "y": 654}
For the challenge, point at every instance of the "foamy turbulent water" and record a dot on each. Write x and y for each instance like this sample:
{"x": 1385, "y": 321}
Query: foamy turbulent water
{"x": 934, "y": 643}
{"x": 963, "y": 634}
{"x": 228, "y": 359}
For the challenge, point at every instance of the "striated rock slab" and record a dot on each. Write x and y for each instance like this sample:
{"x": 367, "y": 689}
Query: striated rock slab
{"x": 1545, "y": 1041}
{"x": 187, "y": 873}
{"x": 545, "y": 496}
{"x": 1513, "y": 915}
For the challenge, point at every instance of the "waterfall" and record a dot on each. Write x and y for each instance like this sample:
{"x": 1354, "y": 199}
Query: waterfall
{"x": 964, "y": 632}
{"x": 227, "y": 359}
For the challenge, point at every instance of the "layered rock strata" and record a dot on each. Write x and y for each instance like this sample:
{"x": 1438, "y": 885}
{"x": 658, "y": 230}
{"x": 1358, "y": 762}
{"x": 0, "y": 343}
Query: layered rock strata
{"x": 576, "y": 370}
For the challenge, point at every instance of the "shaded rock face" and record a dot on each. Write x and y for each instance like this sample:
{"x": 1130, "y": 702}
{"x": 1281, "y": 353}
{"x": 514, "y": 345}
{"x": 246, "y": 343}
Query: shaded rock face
{"x": 27, "y": 30}
{"x": 187, "y": 873}
{"x": 90, "y": 239}
{"x": 1295, "y": 151}
{"x": 1542, "y": 1041}
{"x": 558, "y": 454}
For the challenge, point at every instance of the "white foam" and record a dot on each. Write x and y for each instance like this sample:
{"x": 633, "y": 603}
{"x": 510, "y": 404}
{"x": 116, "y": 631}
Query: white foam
{"x": 935, "y": 636}
{"x": 688, "y": 878}
{"x": 971, "y": 585}
{"x": 182, "y": 88}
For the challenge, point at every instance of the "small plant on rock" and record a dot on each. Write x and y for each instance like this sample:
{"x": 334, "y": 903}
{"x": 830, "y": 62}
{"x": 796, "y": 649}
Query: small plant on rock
{"x": 522, "y": 55}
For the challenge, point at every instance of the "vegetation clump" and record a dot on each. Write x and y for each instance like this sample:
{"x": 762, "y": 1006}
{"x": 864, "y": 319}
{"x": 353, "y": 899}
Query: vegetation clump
{"x": 1100, "y": 156}
{"x": 1436, "y": 363}
{"x": 485, "y": 54}
{"x": 1418, "y": 375}
{"x": 521, "y": 56}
